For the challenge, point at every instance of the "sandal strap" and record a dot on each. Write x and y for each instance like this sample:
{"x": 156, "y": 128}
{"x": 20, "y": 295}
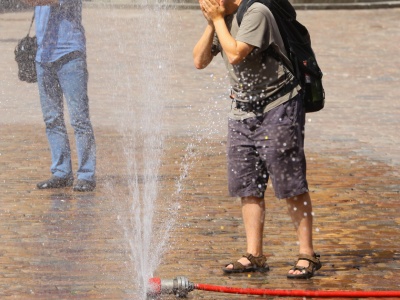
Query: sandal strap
{"x": 314, "y": 262}
{"x": 258, "y": 261}
{"x": 236, "y": 266}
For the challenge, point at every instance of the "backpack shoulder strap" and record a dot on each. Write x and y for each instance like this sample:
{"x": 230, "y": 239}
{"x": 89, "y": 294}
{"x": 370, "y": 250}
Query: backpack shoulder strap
{"x": 282, "y": 7}
{"x": 244, "y": 6}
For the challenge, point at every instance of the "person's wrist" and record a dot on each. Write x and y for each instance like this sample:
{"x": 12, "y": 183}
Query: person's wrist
{"x": 218, "y": 19}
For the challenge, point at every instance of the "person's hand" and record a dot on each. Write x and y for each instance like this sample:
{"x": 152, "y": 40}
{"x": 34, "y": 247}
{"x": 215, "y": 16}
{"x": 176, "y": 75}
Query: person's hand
{"x": 212, "y": 10}
{"x": 205, "y": 14}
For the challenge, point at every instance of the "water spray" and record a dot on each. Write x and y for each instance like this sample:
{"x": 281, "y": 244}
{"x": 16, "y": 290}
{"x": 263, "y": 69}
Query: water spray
{"x": 181, "y": 286}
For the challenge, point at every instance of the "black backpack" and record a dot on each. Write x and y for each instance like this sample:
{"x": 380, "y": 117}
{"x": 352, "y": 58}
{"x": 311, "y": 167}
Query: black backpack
{"x": 297, "y": 42}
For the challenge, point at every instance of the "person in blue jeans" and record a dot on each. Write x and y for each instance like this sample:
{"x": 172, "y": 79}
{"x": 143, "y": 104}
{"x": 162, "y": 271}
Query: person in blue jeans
{"x": 62, "y": 73}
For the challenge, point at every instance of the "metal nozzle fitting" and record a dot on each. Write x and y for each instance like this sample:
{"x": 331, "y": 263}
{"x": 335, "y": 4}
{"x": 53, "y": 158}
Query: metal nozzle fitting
{"x": 179, "y": 286}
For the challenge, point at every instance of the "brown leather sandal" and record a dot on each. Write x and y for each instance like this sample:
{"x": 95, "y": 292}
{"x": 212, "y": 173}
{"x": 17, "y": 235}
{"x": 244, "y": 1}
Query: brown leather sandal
{"x": 306, "y": 272}
{"x": 257, "y": 264}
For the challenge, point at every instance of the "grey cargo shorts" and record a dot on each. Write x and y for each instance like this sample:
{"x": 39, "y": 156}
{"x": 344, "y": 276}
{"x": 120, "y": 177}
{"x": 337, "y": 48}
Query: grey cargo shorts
{"x": 268, "y": 146}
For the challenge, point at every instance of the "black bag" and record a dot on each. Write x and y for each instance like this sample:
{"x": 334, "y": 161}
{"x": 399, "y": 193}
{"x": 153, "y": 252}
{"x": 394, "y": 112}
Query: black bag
{"x": 25, "y": 54}
{"x": 297, "y": 43}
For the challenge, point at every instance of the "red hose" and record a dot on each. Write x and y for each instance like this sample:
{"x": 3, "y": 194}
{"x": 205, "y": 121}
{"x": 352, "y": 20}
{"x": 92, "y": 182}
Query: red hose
{"x": 296, "y": 293}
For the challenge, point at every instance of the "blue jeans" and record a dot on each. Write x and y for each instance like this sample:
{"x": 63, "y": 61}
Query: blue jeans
{"x": 67, "y": 78}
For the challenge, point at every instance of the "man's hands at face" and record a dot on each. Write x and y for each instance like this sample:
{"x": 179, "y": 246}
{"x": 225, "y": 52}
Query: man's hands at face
{"x": 212, "y": 10}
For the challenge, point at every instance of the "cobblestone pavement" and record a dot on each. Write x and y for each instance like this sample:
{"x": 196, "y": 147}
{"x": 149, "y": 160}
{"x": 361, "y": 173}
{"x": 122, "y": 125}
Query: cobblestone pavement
{"x": 59, "y": 244}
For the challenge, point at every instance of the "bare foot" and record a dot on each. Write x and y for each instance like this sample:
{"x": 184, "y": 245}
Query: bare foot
{"x": 300, "y": 264}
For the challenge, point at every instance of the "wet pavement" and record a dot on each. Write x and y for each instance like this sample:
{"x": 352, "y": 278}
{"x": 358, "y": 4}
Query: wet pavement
{"x": 59, "y": 244}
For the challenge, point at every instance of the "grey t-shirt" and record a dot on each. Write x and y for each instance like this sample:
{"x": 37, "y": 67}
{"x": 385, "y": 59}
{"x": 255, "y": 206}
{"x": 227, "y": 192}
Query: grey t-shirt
{"x": 258, "y": 76}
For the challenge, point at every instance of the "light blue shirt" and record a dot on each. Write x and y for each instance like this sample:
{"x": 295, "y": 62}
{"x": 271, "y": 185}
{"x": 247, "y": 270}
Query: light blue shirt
{"x": 59, "y": 30}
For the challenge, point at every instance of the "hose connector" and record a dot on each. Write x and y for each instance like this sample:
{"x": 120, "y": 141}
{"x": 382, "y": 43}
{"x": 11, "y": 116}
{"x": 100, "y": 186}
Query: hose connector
{"x": 179, "y": 286}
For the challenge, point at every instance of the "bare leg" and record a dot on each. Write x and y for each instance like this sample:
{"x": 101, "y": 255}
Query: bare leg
{"x": 300, "y": 211}
{"x": 253, "y": 213}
